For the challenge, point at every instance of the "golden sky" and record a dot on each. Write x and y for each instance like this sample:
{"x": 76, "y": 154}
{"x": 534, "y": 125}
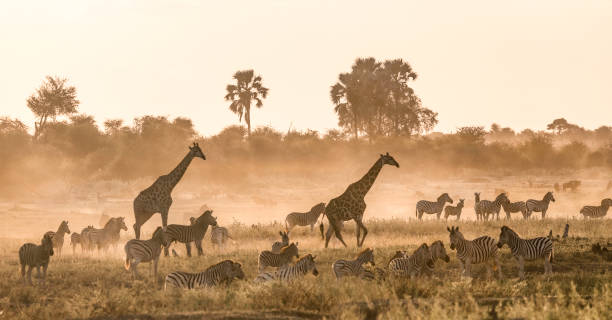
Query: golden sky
{"x": 517, "y": 63}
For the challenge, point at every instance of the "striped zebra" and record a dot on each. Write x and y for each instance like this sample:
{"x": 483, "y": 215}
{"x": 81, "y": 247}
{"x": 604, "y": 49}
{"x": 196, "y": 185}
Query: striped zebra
{"x": 476, "y": 202}
{"x": 137, "y": 251}
{"x": 270, "y": 259}
{"x": 597, "y": 211}
{"x": 278, "y": 245}
{"x": 345, "y": 268}
{"x": 58, "y": 236}
{"x": 36, "y": 256}
{"x": 191, "y": 233}
{"x": 430, "y": 207}
{"x": 412, "y": 265}
{"x": 223, "y": 272}
{"x": 303, "y": 219}
{"x": 76, "y": 239}
{"x": 539, "y": 205}
{"x": 485, "y": 207}
{"x": 475, "y": 251}
{"x": 219, "y": 237}
{"x": 454, "y": 211}
{"x": 527, "y": 249}
{"x": 293, "y": 272}
{"x": 103, "y": 238}
{"x": 512, "y": 207}
{"x": 438, "y": 252}
{"x": 381, "y": 273}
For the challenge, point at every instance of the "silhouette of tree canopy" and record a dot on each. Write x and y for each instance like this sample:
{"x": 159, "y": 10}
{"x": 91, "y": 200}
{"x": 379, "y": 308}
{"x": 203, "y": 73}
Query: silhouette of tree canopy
{"x": 375, "y": 99}
{"x": 558, "y": 125}
{"x": 248, "y": 88}
{"x": 54, "y": 98}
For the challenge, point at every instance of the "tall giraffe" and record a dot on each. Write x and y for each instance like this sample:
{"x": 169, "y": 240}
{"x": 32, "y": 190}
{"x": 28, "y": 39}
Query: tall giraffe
{"x": 156, "y": 198}
{"x": 350, "y": 205}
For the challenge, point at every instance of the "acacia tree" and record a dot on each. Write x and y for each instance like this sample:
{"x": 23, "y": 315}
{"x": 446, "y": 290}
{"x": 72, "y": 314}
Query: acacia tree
{"x": 248, "y": 88}
{"x": 54, "y": 98}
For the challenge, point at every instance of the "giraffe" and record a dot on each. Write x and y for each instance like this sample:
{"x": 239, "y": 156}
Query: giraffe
{"x": 350, "y": 205}
{"x": 156, "y": 198}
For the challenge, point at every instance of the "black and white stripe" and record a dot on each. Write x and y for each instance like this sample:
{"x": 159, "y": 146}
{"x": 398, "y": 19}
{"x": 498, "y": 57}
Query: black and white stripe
{"x": 412, "y": 265}
{"x": 191, "y": 233}
{"x": 597, "y": 211}
{"x": 278, "y": 245}
{"x": 539, "y": 205}
{"x": 35, "y": 256}
{"x": 344, "y": 268}
{"x": 527, "y": 249}
{"x": 137, "y": 251}
{"x": 438, "y": 252}
{"x": 219, "y": 236}
{"x": 454, "y": 211}
{"x": 297, "y": 271}
{"x": 475, "y": 251}
{"x": 485, "y": 207}
{"x": 270, "y": 259}
{"x": 305, "y": 218}
{"x": 57, "y": 237}
{"x": 513, "y": 207}
{"x": 103, "y": 238}
{"x": 430, "y": 207}
{"x": 223, "y": 272}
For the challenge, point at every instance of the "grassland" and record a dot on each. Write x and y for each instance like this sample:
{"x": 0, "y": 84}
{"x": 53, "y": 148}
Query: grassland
{"x": 94, "y": 286}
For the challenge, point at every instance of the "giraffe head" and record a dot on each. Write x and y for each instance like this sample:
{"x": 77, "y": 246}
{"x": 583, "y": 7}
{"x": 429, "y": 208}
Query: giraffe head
{"x": 388, "y": 159}
{"x": 196, "y": 151}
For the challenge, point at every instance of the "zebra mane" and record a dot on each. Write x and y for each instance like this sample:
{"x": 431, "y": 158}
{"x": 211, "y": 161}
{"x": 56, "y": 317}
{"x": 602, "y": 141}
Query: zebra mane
{"x": 442, "y": 195}
{"x": 508, "y": 230}
{"x": 364, "y": 251}
{"x": 108, "y": 223}
{"x": 304, "y": 258}
{"x": 318, "y": 208}
{"x": 219, "y": 265}
{"x": 548, "y": 195}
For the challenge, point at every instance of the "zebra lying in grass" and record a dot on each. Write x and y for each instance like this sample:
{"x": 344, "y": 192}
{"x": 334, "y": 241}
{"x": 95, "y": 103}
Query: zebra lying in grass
{"x": 191, "y": 233}
{"x": 539, "y": 205}
{"x": 411, "y": 266}
{"x": 430, "y": 207}
{"x": 278, "y": 245}
{"x": 381, "y": 273}
{"x": 293, "y": 272}
{"x": 305, "y": 218}
{"x": 36, "y": 256}
{"x": 57, "y": 237}
{"x": 527, "y": 249}
{"x": 475, "y": 251}
{"x": 103, "y": 238}
{"x": 137, "y": 251}
{"x": 344, "y": 268}
{"x": 597, "y": 211}
{"x": 454, "y": 211}
{"x": 270, "y": 259}
{"x": 223, "y": 272}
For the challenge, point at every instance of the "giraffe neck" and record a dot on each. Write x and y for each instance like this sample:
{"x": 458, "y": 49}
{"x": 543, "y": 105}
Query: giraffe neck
{"x": 364, "y": 184}
{"x": 177, "y": 173}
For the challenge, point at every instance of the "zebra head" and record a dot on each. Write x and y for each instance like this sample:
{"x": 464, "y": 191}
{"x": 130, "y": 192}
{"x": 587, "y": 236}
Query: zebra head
{"x": 505, "y": 236}
{"x": 398, "y": 254}
{"x": 444, "y": 198}
{"x": 438, "y": 251}
{"x": 388, "y": 159}
{"x": 161, "y": 236}
{"x": 207, "y": 218}
{"x": 461, "y": 203}
{"x": 455, "y": 236}
{"x": 423, "y": 253}
{"x": 284, "y": 236}
{"x": 605, "y": 202}
{"x": 196, "y": 151}
{"x": 64, "y": 227}
{"x": 477, "y": 197}
{"x": 549, "y": 196}
{"x": 308, "y": 263}
{"x": 47, "y": 244}
{"x": 121, "y": 223}
{"x": 502, "y": 198}
{"x": 367, "y": 256}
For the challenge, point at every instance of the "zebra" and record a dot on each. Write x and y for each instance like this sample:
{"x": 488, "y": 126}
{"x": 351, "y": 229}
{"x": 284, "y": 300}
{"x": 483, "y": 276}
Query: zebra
{"x": 302, "y": 267}
{"x": 137, "y": 251}
{"x": 223, "y": 272}
{"x": 512, "y": 207}
{"x": 476, "y": 202}
{"x": 437, "y": 251}
{"x": 474, "y": 251}
{"x": 430, "y": 207}
{"x": 77, "y": 239}
{"x": 565, "y": 231}
{"x": 527, "y": 249}
{"x": 597, "y": 211}
{"x": 381, "y": 273}
{"x": 219, "y": 236}
{"x": 270, "y": 259}
{"x": 412, "y": 265}
{"x": 485, "y": 207}
{"x": 278, "y": 245}
{"x": 58, "y": 236}
{"x": 306, "y": 218}
{"x": 539, "y": 205}
{"x": 454, "y": 211}
{"x": 102, "y": 238}
{"x": 344, "y": 268}
{"x": 36, "y": 256}
{"x": 191, "y": 233}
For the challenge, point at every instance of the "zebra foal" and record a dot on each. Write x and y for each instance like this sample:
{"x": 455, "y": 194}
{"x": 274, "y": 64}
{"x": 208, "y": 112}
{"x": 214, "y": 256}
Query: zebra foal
{"x": 454, "y": 211}
{"x": 303, "y": 219}
{"x": 596, "y": 211}
{"x": 278, "y": 245}
{"x": 431, "y": 207}
{"x": 302, "y": 267}
{"x": 35, "y": 256}
{"x": 57, "y": 237}
{"x": 223, "y": 272}
{"x": 527, "y": 249}
{"x": 539, "y": 205}
{"x": 270, "y": 259}
{"x": 191, "y": 233}
{"x": 475, "y": 251}
{"x": 344, "y": 268}
{"x": 137, "y": 251}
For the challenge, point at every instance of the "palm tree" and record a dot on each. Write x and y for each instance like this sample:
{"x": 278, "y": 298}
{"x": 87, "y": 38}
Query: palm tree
{"x": 247, "y": 88}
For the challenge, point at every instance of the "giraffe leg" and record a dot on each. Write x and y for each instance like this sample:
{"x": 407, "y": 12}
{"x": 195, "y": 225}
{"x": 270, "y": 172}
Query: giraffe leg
{"x": 328, "y": 234}
{"x": 335, "y": 226}
{"x": 365, "y": 232}
{"x": 357, "y": 232}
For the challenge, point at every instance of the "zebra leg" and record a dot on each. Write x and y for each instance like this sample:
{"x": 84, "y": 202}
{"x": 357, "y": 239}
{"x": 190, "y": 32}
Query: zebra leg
{"x": 38, "y": 273}
{"x": 30, "y": 275}
{"x": 461, "y": 268}
{"x": 166, "y": 253}
{"x": 23, "y": 273}
{"x": 155, "y": 262}
{"x": 438, "y": 215}
{"x": 188, "y": 247}
{"x": 468, "y": 268}
{"x": 44, "y": 276}
{"x": 498, "y": 267}
{"x": 543, "y": 214}
{"x": 521, "y": 266}
{"x": 198, "y": 244}
{"x": 133, "y": 267}
{"x": 311, "y": 227}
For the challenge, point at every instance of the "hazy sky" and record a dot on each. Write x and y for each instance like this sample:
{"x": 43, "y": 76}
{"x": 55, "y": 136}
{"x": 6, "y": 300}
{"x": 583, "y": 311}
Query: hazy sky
{"x": 518, "y": 63}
